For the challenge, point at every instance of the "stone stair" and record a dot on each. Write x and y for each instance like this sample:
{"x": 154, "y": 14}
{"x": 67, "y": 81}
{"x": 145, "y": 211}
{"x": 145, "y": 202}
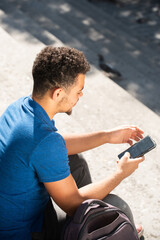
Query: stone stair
{"x": 128, "y": 12}
{"x": 74, "y": 23}
{"x": 27, "y": 26}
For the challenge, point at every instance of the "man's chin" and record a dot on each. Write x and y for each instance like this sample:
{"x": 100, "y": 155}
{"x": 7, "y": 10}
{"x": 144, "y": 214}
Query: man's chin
{"x": 69, "y": 113}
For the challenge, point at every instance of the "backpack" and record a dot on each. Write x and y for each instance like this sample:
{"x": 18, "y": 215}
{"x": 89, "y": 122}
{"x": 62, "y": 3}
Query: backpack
{"x": 97, "y": 220}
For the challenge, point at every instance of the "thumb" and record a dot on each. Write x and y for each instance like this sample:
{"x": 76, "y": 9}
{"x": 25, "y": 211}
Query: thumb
{"x": 127, "y": 155}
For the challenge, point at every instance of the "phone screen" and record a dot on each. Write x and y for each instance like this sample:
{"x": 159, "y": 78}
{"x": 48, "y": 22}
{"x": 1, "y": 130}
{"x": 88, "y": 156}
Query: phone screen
{"x": 140, "y": 148}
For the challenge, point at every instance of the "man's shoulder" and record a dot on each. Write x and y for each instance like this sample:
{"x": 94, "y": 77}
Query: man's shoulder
{"x": 12, "y": 115}
{"x": 18, "y": 102}
{"x": 52, "y": 140}
{"x": 50, "y": 158}
{"x": 14, "y": 107}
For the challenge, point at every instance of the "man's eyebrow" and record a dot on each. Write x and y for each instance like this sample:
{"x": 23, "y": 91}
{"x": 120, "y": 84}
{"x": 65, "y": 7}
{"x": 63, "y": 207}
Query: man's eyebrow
{"x": 82, "y": 88}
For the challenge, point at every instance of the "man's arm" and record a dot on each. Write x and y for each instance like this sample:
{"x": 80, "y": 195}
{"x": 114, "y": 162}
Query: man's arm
{"x": 68, "y": 197}
{"x": 77, "y": 143}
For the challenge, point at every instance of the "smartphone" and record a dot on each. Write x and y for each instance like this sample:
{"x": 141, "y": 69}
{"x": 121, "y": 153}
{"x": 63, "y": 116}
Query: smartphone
{"x": 140, "y": 148}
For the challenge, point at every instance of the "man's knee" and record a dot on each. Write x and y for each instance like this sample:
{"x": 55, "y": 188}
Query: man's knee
{"x": 79, "y": 170}
{"x": 120, "y": 203}
{"x": 77, "y": 161}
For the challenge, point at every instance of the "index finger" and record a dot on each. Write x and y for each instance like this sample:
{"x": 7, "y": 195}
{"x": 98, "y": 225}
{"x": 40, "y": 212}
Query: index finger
{"x": 138, "y": 129}
{"x": 137, "y": 133}
{"x": 138, "y": 160}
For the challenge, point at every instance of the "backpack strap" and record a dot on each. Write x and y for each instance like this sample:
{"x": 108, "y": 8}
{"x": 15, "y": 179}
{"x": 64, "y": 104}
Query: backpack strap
{"x": 85, "y": 207}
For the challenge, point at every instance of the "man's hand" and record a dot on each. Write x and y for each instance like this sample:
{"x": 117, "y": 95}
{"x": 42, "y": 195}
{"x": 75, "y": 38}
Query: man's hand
{"x": 127, "y": 166}
{"x": 125, "y": 134}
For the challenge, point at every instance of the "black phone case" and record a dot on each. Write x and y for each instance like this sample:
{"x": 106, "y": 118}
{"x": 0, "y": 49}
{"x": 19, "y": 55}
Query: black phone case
{"x": 140, "y": 148}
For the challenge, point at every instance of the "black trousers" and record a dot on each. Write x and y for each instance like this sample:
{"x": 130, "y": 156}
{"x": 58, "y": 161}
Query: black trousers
{"x": 52, "y": 223}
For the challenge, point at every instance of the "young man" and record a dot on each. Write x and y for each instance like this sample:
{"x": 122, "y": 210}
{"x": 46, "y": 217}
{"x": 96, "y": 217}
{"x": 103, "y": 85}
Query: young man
{"x": 34, "y": 157}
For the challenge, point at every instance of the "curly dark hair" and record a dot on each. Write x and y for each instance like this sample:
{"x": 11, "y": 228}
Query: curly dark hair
{"x": 57, "y": 67}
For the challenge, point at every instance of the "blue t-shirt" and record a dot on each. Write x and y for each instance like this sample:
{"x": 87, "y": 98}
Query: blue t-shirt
{"x": 31, "y": 152}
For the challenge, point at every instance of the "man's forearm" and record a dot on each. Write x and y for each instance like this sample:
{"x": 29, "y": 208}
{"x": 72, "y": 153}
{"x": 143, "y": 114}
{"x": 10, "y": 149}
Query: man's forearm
{"x": 77, "y": 143}
{"x": 98, "y": 190}
{"x": 101, "y": 189}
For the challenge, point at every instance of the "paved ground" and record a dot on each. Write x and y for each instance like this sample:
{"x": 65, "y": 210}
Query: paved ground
{"x": 132, "y": 48}
{"x": 138, "y": 23}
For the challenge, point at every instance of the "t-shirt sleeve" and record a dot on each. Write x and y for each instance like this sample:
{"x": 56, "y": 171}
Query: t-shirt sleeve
{"x": 50, "y": 159}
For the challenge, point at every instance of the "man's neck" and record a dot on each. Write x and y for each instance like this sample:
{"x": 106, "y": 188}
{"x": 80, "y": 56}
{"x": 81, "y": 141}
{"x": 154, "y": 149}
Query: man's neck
{"x": 46, "y": 104}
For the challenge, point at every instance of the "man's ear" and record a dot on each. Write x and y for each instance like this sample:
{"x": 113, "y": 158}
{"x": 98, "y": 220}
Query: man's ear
{"x": 57, "y": 94}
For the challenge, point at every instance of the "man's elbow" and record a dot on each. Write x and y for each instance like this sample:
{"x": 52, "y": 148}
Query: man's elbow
{"x": 70, "y": 207}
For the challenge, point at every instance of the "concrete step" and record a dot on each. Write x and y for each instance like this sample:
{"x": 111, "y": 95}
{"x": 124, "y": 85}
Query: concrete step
{"x": 56, "y": 18}
{"x": 16, "y": 60}
{"x": 46, "y": 27}
{"x": 14, "y": 21}
{"x": 22, "y": 39}
{"x": 30, "y": 8}
{"x": 108, "y": 25}
{"x": 128, "y": 13}
{"x": 56, "y": 11}
{"x": 18, "y": 51}
{"x": 110, "y": 17}
{"x": 104, "y": 105}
